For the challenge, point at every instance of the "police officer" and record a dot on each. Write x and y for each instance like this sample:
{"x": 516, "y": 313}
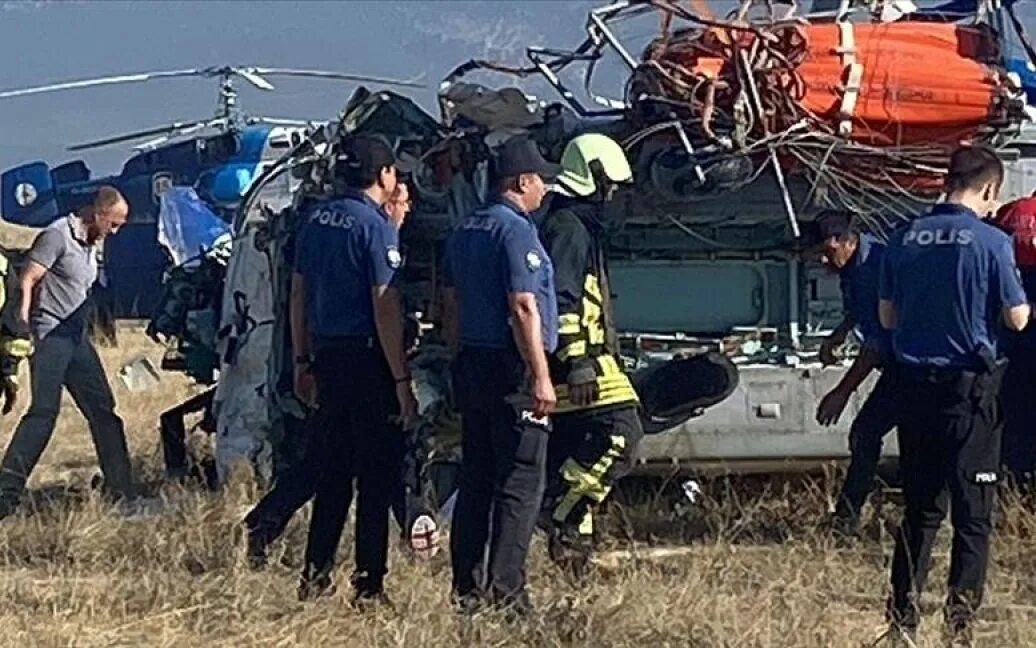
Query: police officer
{"x": 596, "y": 426}
{"x": 500, "y": 309}
{"x": 857, "y": 259}
{"x": 269, "y": 518}
{"x": 347, "y": 336}
{"x": 948, "y": 284}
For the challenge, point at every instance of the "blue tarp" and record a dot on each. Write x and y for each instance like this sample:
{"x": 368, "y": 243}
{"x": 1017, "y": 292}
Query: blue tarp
{"x": 187, "y": 227}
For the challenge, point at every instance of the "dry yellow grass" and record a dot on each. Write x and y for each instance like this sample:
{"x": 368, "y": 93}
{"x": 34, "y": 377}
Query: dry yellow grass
{"x": 74, "y": 573}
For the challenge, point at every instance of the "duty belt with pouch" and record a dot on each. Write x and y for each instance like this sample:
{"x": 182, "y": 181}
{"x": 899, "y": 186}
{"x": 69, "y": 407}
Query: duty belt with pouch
{"x": 980, "y": 386}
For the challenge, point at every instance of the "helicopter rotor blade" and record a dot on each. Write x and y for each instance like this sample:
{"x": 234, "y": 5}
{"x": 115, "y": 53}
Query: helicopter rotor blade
{"x": 252, "y": 76}
{"x": 100, "y": 81}
{"x": 180, "y": 132}
{"x": 125, "y": 137}
{"x": 278, "y": 121}
{"x": 321, "y": 74}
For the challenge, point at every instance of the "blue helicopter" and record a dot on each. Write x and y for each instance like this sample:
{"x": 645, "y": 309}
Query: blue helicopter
{"x": 219, "y": 156}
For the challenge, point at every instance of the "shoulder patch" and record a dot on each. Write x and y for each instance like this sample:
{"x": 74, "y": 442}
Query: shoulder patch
{"x": 393, "y": 257}
{"x": 533, "y": 260}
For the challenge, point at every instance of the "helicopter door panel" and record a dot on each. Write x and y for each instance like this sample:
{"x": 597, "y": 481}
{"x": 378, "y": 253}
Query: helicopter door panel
{"x": 28, "y": 195}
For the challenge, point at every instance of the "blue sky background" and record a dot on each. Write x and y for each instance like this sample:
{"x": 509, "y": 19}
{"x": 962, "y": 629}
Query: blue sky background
{"x": 45, "y": 42}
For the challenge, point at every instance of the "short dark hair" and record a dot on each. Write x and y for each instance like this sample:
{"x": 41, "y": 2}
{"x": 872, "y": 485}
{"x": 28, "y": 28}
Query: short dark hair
{"x": 835, "y": 222}
{"x": 973, "y": 167}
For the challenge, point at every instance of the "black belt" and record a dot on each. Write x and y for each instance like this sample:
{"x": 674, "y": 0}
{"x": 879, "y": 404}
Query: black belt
{"x": 920, "y": 373}
{"x": 347, "y": 341}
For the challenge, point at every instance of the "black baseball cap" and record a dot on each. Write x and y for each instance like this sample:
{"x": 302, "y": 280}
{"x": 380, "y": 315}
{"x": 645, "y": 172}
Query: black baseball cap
{"x": 366, "y": 153}
{"x": 520, "y": 155}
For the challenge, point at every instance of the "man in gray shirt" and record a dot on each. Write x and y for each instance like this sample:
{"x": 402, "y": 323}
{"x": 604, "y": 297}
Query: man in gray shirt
{"x": 55, "y": 285}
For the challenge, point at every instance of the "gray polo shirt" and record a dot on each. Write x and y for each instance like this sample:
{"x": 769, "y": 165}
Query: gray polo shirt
{"x": 64, "y": 291}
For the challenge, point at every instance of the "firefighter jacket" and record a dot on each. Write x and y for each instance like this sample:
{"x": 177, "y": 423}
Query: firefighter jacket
{"x": 588, "y": 348}
{"x": 13, "y": 346}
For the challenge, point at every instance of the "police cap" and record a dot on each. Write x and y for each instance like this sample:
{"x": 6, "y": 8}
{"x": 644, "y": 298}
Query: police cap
{"x": 365, "y": 155}
{"x": 520, "y": 155}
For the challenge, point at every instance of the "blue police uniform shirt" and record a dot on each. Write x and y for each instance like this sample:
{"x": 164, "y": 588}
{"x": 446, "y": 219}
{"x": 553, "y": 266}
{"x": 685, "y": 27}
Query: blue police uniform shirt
{"x": 493, "y": 253}
{"x": 949, "y": 276}
{"x": 345, "y": 248}
{"x": 859, "y": 281}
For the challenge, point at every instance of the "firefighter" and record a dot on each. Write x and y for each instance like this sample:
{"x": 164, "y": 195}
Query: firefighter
{"x": 596, "y": 426}
{"x": 1019, "y": 443}
{"x": 857, "y": 259}
{"x": 501, "y": 313}
{"x": 14, "y": 347}
{"x": 948, "y": 286}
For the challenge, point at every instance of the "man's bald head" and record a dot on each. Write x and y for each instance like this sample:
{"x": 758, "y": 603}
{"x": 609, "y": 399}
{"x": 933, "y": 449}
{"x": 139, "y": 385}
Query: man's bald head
{"x": 106, "y": 214}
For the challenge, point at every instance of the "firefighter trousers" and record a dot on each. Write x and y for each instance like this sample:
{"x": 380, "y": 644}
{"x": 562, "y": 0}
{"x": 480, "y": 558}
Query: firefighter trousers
{"x": 588, "y": 452}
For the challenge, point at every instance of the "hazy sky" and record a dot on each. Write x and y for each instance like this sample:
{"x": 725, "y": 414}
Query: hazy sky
{"x": 45, "y": 42}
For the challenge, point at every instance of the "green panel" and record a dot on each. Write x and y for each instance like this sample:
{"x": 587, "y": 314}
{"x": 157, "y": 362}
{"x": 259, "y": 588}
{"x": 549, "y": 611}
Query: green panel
{"x": 695, "y": 297}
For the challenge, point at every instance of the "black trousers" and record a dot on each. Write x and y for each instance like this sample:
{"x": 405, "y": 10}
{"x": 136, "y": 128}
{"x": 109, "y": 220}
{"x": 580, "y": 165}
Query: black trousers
{"x": 875, "y": 419}
{"x": 1018, "y": 396}
{"x": 502, "y": 476}
{"x": 359, "y": 441}
{"x": 294, "y": 488}
{"x": 588, "y": 452}
{"x": 949, "y": 444}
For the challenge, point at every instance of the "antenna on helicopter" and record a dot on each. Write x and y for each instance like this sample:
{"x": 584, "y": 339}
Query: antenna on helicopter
{"x": 227, "y": 116}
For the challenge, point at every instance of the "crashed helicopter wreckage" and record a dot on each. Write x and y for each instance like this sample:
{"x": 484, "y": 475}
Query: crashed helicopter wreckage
{"x": 843, "y": 101}
{"x": 742, "y": 391}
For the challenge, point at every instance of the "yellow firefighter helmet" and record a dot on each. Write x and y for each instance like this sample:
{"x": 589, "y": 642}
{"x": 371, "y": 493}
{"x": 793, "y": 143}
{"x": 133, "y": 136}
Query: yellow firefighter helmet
{"x": 577, "y": 176}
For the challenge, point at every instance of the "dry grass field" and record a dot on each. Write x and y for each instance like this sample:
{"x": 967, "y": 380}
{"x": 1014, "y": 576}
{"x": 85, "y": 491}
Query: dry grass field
{"x": 756, "y": 572}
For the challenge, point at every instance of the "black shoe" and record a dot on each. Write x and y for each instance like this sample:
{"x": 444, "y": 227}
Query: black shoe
{"x": 959, "y": 615}
{"x": 316, "y": 588}
{"x": 843, "y": 527}
{"x": 897, "y": 636}
{"x": 257, "y": 550}
{"x": 8, "y": 507}
{"x": 903, "y": 622}
{"x": 571, "y": 552}
{"x": 468, "y": 604}
{"x": 514, "y": 607}
{"x": 368, "y": 600}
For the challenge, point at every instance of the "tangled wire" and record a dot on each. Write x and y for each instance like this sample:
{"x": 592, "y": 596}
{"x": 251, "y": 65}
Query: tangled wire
{"x": 739, "y": 84}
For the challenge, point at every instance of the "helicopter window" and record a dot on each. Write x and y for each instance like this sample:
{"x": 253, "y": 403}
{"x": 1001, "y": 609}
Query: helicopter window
{"x": 280, "y": 142}
{"x": 213, "y": 150}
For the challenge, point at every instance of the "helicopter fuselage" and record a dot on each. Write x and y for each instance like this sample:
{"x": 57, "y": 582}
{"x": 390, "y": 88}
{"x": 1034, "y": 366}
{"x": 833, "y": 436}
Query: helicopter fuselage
{"x": 220, "y": 167}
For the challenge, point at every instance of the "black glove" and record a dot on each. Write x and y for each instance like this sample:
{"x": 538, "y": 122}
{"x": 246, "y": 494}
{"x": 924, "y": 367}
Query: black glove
{"x": 9, "y": 394}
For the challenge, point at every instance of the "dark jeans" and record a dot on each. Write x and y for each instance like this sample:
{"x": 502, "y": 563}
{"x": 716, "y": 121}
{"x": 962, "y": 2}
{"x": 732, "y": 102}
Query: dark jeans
{"x": 71, "y": 362}
{"x": 588, "y": 452}
{"x": 876, "y": 418}
{"x": 949, "y": 445}
{"x": 502, "y": 476}
{"x": 357, "y": 399}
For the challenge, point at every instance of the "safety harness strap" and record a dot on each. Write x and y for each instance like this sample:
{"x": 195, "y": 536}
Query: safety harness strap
{"x": 853, "y": 73}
